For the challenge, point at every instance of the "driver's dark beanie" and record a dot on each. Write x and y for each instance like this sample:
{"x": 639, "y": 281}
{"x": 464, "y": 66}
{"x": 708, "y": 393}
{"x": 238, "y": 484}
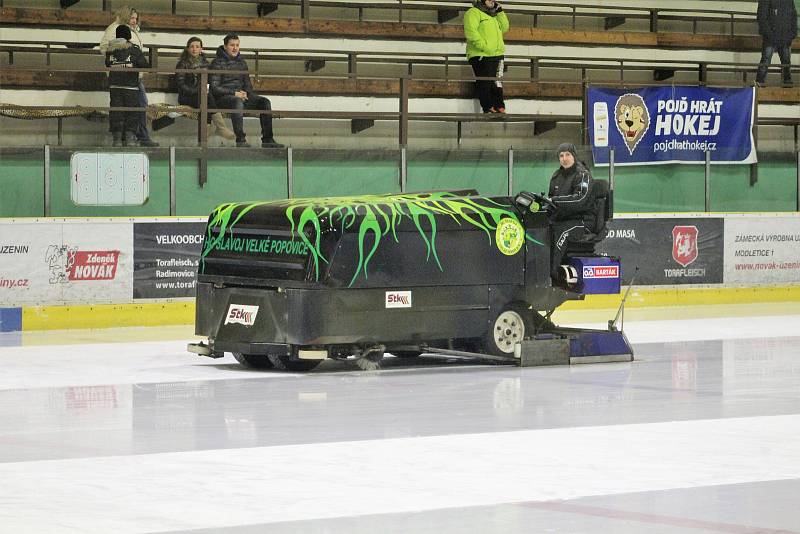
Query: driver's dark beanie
{"x": 567, "y": 147}
{"x": 123, "y": 32}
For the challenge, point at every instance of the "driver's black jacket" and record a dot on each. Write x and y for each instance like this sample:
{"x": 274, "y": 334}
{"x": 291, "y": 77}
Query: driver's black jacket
{"x": 572, "y": 193}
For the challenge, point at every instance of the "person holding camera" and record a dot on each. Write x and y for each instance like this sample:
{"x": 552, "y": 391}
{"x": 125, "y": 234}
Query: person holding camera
{"x": 128, "y": 16}
{"x": 484, "y": 25}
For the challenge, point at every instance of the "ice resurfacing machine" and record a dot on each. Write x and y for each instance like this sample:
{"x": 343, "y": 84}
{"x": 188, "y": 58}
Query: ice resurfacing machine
{"x": 289, "y": 283}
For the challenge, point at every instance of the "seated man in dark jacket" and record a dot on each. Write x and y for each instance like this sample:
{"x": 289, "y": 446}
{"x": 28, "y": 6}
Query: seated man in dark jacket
{"x": 234, "y": 91}
{"x": 573, "y": 210}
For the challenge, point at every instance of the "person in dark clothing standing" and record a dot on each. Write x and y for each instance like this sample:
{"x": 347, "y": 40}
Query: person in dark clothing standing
{"x": 123, "y": 85}
{"x": 777, "y": 24}
{"x": 484, "y": 25}
{"x": 188, "y": 84}
{"x": 573, "y": 210}
{"x": 234, "y": 91}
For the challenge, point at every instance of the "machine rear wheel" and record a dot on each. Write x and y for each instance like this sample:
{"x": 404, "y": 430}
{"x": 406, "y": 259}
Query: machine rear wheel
{"x": 509, "y": 327}
{"x": 253, "y": 361}
{"x": 288, "y": 363}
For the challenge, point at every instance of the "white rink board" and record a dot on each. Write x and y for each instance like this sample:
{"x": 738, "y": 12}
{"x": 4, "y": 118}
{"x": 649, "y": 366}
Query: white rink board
{"x": 66, "y": 262}
{"x": 762, "y": 250}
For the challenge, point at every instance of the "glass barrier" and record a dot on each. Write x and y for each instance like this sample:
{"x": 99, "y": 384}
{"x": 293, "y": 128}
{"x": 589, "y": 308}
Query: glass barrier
{"x": 229, "y": 175}
{"x": 36, "y": 182}
{"x": 484, "y": 170}
{"x": 772, "y": 188}
{"x": 321, "y": 172}
{"x": 22, "y": 182}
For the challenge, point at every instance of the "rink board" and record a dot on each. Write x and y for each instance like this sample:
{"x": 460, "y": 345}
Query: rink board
{"x": 102, "y": 272}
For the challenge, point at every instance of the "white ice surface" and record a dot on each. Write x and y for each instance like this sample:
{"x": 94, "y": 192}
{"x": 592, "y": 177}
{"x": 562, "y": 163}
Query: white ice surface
{"x": 217, "y": 488}
{"x": 165, "y": 361}
{"x": 226, "y": 487}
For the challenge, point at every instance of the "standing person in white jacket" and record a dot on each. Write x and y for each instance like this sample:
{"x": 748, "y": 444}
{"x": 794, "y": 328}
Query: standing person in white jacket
{"x": 130, "y": 17}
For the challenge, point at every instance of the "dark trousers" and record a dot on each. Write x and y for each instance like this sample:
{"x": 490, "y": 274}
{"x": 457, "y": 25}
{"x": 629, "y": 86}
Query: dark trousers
{"x": 254, "y": 102}
{"x": 767, "y": 50}
{"x": 563, "y": 233}
{"x": 194, "y": 101}
{"x": 141, "y": 117}
{"x": 488, "y": 92}
{"x": 124, "y": 121}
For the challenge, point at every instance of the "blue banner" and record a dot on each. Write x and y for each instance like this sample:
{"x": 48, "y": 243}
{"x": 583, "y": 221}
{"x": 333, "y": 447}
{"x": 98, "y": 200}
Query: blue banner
{"x": 667, "y": 124}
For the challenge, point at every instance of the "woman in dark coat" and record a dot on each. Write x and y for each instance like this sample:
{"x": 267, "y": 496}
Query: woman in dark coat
{"x": 777, "y": 24}
{"x": 192, "y": 57}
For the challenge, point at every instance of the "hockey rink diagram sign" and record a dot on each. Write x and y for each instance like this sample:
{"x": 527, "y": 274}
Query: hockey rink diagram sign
{"x": 675, "y": 124}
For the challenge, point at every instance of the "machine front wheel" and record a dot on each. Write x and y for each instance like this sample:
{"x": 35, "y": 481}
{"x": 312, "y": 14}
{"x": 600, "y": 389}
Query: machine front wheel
{"x": 509, "y": 327}
{"x": 253, "y": 361}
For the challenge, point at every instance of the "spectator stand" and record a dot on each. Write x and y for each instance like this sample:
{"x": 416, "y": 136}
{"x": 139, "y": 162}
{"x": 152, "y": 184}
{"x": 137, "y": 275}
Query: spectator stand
{"x": 448, "y": 11}
{"x": 739, "y": 34}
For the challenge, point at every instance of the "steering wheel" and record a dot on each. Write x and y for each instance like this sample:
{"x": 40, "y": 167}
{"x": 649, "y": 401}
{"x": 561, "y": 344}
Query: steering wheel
{"x": 544, "y": 201}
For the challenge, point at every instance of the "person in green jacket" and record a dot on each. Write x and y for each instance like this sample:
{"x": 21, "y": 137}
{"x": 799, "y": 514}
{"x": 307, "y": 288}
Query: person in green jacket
{"x": 484, "y": 26}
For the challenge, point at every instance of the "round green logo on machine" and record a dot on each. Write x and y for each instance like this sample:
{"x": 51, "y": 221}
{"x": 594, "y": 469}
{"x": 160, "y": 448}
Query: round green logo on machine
{"x": 510, "y": 235}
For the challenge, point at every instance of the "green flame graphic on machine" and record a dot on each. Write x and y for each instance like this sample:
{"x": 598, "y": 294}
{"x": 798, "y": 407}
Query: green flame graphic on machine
{"x": 377, "y": 216}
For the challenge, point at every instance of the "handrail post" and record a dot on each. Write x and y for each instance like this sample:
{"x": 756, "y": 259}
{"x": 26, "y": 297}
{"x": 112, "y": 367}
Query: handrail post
{"x": 708, "y": 181}
{"x": 202, "y": 127}
{"x": 510, "y": 170}
{"x": 797, "y": 169}
{"x": 797, "y": 162}
{"x": 173, "y": 201}
{"x": 352, "y": 65}
{"x": 46, "y": 175}
{"x": 289, "y": 172}
{"x": 403, "y": 169}
{"x": 403, "y": 111}
{"x": 611, "y": 174}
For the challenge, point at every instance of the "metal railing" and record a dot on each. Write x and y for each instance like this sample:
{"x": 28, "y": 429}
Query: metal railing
{"x": 316, "y": 59}
{"x": 402, "y": 115}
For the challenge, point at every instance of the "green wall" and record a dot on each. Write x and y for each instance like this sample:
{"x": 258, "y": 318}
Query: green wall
{"x": 657, "y": 188}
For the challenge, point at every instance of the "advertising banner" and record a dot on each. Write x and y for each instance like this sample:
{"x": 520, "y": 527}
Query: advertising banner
{"x": 671, "y": 124}
{"x": 65, "y": 262}
{"x": 667, "y": 251}
{"x": 165, "y": 256}
{"x": 762, "y": 250}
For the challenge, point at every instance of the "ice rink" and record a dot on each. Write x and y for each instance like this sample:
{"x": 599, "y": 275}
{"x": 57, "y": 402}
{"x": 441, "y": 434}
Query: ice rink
{"x": 123, "y": 431}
